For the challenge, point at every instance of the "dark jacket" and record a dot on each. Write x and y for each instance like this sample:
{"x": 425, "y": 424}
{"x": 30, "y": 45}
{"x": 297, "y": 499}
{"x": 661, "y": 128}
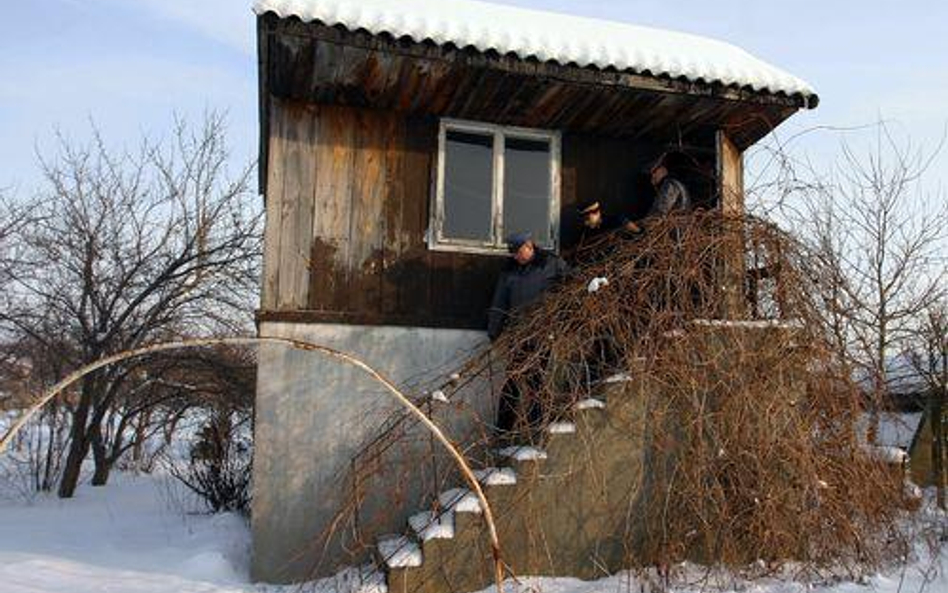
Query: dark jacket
{"x": 520, "y": 286}
{"x": 589, "y": 235}
{"x": 672, "y": 195}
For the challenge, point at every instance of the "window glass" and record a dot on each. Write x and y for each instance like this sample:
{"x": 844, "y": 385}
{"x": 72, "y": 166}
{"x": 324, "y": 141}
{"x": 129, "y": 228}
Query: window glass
{"x": 468, "y": 180}
{"x": 527, "y": 191}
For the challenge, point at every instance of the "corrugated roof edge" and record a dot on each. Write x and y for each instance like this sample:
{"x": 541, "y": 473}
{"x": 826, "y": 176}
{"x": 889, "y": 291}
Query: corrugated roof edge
{"x": 284, "y": 10}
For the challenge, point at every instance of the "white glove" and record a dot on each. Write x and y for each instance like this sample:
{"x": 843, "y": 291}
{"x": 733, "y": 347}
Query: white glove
{"x": 596, "y": 283}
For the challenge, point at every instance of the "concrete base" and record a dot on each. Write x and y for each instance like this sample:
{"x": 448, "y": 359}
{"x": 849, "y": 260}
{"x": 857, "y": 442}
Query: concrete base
{"x": 596, "y": 502}
{"x": 313, "y": 415}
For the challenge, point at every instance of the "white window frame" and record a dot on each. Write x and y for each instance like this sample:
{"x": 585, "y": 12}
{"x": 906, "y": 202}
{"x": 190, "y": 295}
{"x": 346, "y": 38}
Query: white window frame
{"x": 496, "y": 245}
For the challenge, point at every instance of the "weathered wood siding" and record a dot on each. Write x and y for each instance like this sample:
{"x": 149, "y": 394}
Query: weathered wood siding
{"x": 347, "y": 212}
{"x": 348, "y": 197}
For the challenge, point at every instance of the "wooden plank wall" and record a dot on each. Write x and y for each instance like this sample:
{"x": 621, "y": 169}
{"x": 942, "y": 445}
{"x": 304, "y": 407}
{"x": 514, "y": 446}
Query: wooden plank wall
{"x": 348, "y": 197}
{"x": 290, "y": 208}
{"x": 347, "y": 212}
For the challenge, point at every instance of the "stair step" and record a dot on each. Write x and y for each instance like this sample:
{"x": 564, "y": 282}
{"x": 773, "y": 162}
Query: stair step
{"x": 561, "y": 428}
{"x": 496, "y": 476}
{"x": 591, "y": 404}
{"x": 372, "y": 580}
{"x": 460, "y": 500}
{"x": 429, "y": 525}
{"x": 522, "y": 453}
{"x": 362, "y": 579}
{"x": 400, "y": 552}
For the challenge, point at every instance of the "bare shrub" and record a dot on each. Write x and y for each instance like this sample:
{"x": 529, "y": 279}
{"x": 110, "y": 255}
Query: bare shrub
{"x": 34, "y": 462}
{"x": 753, "y": 459}
{"x": 211, "y": 426}
{"x": 752, "y": 474}
{"x": 218, "y": 467}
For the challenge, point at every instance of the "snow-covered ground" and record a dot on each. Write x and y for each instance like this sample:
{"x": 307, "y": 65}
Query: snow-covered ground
{"x": 136, "y": 536}
{"x": 131, "y": 536}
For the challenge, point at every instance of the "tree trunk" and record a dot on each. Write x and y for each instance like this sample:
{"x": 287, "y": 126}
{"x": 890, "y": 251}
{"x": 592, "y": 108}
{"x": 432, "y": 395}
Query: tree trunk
{"x": 78, "y": 449}
{"x": 99, "y": 454}
{"x": 78, "y": 442}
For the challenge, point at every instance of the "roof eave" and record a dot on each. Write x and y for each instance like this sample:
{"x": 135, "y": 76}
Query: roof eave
{"x": 576, "y": 73}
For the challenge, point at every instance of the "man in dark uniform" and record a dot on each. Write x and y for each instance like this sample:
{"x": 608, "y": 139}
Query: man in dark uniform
{"x": 596, "y": 224}
{"x": 671, "y": 197}
{"x": 530, "y": 273}
{"x": 527, "y": 276}
{"x": 670, "y": 194}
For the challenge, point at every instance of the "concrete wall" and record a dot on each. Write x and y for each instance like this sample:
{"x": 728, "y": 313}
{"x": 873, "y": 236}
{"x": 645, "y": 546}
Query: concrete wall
{"x": 314, "y": 414}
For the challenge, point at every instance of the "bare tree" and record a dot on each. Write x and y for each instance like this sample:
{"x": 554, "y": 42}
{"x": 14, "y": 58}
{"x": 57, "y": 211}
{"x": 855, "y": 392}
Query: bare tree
{"x": 930, "y": 361}
{"x": 879, "y": 236}
{"x": 13, "y": 218}
{"x": 131, "y": 248}
{"x": 896, "y": 235}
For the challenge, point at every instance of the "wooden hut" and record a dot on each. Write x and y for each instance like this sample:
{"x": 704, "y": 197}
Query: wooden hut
{"x": 400, "y": 141}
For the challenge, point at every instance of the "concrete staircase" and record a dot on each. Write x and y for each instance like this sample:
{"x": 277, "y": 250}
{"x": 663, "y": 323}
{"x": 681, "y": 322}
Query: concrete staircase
{"x": 575, "y": 504}
{"x": 561, "y": 507}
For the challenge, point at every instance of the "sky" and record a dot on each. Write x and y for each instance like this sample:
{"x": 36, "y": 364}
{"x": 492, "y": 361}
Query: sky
{"x": 131, "y": 65}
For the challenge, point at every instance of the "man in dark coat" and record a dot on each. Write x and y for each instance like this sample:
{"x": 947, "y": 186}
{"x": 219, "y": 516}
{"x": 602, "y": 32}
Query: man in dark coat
{"x": 670, "y": 194}
{"x": 531, "y": 272}
{"x": 596, "y": 224}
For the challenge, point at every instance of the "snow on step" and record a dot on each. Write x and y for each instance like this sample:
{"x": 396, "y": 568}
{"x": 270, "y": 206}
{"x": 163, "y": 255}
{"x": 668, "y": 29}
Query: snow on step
{"x": 745, "y": 324}
{"x": 429, "y": 525}
{"x": 460, "y": 500}
{"x": 362, "y": 579}
{"x": 618, "y": 378}
{"x": 372, "y": 581}
{"x": 562, "y": 428}
{"x": 591, "y": 404}
{"x": 400, "y": 552}
{"x": 523, "y": 453}
{"x": 496, "y": 476}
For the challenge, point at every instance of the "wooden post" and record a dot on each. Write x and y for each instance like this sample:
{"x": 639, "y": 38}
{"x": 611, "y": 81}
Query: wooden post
{"x": 730, "y": 173}
{"x": 730, "y": 169}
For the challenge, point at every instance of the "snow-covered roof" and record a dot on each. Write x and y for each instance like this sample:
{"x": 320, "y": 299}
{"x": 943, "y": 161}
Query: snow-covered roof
{"x": 547, "y": 36}
{"x": 894, "y": 430}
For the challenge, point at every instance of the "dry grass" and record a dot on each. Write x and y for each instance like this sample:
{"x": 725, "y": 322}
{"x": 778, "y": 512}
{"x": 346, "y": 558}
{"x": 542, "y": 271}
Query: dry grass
{"x": 754, "y": 463}
{"x": 752, "y": 425}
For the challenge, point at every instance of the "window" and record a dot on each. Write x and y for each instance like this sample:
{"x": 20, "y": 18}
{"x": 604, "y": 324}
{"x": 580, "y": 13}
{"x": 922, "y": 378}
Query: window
{"x": 494, "y": 181}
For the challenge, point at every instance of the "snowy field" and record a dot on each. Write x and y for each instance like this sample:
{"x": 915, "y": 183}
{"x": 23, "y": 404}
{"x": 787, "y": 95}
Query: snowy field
{"x": 135, "y": 536}
{"x": 129, "y": 537}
